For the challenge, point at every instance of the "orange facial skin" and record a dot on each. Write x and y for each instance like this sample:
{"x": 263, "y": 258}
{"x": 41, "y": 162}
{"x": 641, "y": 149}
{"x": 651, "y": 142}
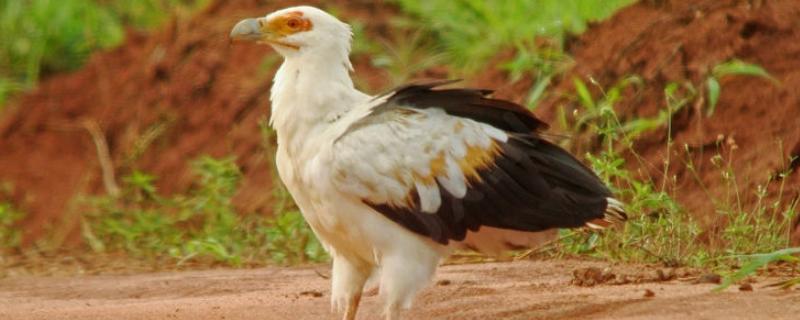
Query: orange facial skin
{"x": 289, "y": 24}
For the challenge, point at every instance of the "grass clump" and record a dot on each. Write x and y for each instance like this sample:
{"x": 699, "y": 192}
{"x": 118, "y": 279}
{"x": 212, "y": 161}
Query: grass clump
{"x": 10, "y": 236}
{"x": 472, "y": 31}
{"x": 659, "y": 229}
{"x": 756, "y": 261}
{"x": 39, "y": 37}
{"x": 200, "y": 226}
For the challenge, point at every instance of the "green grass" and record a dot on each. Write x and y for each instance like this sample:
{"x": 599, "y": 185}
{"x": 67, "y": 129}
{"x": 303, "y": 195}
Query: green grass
{"x": 40, "y": 37}
{"x": 201, "y": 225}
{"x": 756, "y": 261}
{"x": 9, "y": 230}
{"x": 729, "y": 68}
{"x": 660, "y": 230}
{"x": 473, "y": 31}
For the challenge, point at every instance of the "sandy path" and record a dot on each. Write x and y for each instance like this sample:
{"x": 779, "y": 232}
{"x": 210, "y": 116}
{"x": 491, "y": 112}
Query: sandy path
{"x": 518, "y": 290}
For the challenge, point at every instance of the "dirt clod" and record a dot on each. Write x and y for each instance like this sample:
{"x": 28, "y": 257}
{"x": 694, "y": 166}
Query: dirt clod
{"x": 591, "y": 276}
{"x": 708, "y": 278}
{"x": 746, "y": 287}
{"x": 649, "y": 293}
{"x": 664, "y": 274}
{"x": 443, "y": 282}
{"x": 312, "y": 293}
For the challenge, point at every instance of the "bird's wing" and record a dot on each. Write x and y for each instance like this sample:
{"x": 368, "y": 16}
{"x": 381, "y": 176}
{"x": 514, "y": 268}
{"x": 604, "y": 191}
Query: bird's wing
{"x": 442, "y": 162}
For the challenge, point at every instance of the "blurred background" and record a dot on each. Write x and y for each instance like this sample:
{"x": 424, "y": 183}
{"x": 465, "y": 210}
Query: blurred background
{"x": 134, "y": 130}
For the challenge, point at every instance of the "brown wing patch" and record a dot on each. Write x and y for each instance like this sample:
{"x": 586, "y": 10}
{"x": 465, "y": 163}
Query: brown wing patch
{"x": 478, "y": 159}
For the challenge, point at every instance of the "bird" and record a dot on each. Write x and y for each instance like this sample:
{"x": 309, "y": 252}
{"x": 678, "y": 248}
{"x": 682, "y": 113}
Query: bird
{"x": 393, "y": 183}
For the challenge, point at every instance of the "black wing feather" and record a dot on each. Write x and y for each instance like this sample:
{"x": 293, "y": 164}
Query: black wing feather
{"x": 533, "y": 184}
{"x": 468, "y": 103}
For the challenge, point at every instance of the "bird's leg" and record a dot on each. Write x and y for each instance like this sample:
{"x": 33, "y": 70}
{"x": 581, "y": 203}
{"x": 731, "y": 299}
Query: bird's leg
{"x": 392, "y": 312}
{"x": 347, "y": 284}
{"x": 402, "y": 277}
{"x": 352, "y": 308}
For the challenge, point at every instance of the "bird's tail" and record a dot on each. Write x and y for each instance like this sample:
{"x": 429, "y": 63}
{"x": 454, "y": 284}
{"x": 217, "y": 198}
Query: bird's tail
{"x": 614, "y": 214}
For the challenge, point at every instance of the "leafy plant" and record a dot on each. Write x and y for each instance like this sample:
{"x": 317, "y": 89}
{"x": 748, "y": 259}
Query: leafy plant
{"x": 202, "y": 225}
{"x": 9, "y": 231}
{"x": 147, "y": 14}
{"x": 730, "y": 68}
{"x": 472, "y": 31}
{"x": 757, "y": 261}
{"x": 290, "y": 240}
{"x": 48, "y": 36}
{"x": 659, "y": 230}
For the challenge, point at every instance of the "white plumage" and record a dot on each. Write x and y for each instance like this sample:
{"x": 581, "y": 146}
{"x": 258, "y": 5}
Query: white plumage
{"x": 391, "y": 184}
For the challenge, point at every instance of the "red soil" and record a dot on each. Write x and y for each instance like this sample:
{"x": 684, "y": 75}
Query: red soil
{"x": 160, "y": 100}
{"x": 756, "y": 122}
{"x": 165, "y": 98}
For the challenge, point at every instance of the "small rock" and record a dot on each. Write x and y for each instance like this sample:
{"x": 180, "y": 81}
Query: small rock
{"x": 443, "y": 282}
{"x": 624, "y": 279}
{"x": 668, "y": 274}
{"x": 682, "y": 273}
{"x": 660, "y": 275}
{"x": 587, "y": 277}
{"x": 746, "y": 287}
{"x": 311, "y": 293}
{"x": 709, "y": 278}
{"x": 607, "y": 274}
{"x": 649, "y": 293}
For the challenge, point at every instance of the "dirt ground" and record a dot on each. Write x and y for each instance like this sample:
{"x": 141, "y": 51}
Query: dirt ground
{"x": 511, "y": 290}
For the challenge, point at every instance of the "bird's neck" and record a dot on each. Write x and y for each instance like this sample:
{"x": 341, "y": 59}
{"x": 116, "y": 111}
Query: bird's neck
{"x": 308, "y": 94}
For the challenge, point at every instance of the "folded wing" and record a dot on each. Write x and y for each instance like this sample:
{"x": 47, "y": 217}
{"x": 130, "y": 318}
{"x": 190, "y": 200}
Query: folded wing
{"x": 443, "y": 162}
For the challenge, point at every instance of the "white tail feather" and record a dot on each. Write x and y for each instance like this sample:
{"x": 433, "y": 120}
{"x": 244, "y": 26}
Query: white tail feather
{"x": 614, "y": 214}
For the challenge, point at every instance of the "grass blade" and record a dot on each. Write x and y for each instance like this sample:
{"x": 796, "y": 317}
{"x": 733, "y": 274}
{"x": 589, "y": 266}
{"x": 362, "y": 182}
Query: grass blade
{"x": 713, "y": 87}
{"x": 738, "y": 67}
{"x": 758, "y": 261}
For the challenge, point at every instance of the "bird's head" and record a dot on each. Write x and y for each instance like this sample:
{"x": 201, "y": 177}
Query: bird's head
{"x": 296, "y": 31}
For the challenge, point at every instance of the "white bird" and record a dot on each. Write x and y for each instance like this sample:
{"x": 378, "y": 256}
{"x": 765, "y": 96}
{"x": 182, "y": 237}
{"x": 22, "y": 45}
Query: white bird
{"x": 391, "y": 183}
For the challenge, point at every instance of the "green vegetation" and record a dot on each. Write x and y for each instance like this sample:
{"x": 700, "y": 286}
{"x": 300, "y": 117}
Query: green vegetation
{"x": 730, "y": 68}
{"x": 756, "y": 261}
{"x": 9, "y": 231}
{"x": 40, "y": 37}
{"x": 201, "y": 225}
{"x": 473, "y": 31}
{"x": 659, "y": 229}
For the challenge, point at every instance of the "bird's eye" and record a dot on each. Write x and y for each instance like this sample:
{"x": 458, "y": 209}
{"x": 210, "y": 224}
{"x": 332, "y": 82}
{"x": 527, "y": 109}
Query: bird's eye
{"x": 293, "y": 23}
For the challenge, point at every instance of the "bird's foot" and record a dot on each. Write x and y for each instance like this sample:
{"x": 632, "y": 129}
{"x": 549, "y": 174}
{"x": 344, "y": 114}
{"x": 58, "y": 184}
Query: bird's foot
{"x": 346, "y": 304}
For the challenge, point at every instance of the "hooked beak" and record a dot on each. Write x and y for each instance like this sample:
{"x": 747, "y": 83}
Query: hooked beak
{"x": 257, "y": 31}
{"x": 247, "y": 30}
